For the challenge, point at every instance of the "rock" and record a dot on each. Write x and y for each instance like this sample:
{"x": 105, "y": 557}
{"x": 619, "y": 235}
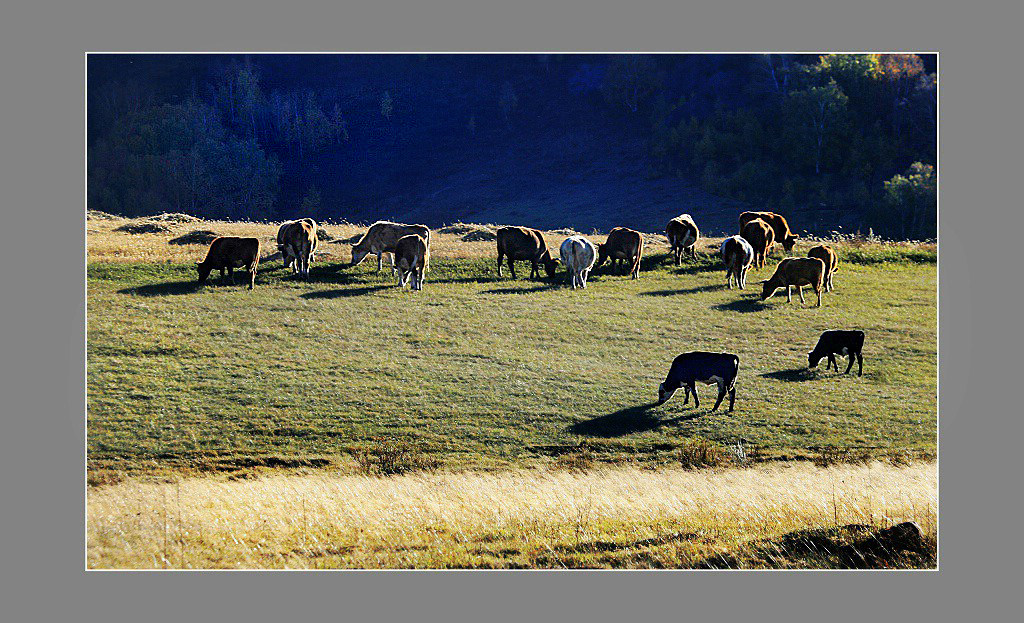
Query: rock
{"x": 199, "y": 236}
{"x": 148, "y": 227}
{"x": 883, "y": 546}
{"x": 480, "y": 234}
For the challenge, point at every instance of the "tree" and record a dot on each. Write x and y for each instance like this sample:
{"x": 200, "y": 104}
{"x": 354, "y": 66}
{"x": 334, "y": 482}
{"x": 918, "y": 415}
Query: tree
{"x": 386, "y": 105}
{"x": 508, "y": 100}
{"x": 630, "y": 80}
{"x": 912, "y": 198}
{"x": 816, "y": 112}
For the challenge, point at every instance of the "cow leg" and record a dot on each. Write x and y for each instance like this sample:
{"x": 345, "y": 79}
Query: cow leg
{"x": 849, "y": 366}
{"x": 499, "y": 263}
{"x": 512, "y": 267}
{"x": 721, "y": 395}
{"x": 223, "y": 272}
{"x": 800, "y": 291}
{"x": 686, "y": 394}
{"x": 818, "y": 292}
{"x": 380, "y": 261}
{"x": 231, "y": 273}
{"x": 252, "y": 276}
{"x": 789, "y": 294}
{"x": 832, "y": 362}
{"x": 732, "y": 397}
{"x": 696, "y": 400}
{"x": 860, "y": 364}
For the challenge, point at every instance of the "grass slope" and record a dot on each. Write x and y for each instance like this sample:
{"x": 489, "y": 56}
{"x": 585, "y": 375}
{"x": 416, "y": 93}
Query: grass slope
{"x": 483, "y": 372}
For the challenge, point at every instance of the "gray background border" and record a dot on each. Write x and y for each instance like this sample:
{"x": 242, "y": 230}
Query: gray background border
{"x": 42, "y": 166}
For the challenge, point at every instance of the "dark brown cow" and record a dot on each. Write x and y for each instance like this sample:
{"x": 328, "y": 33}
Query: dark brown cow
{"x": 795, "y": 271}
{"x": 523, "y": 243}
{"x": 228, "y": 253}
{"x": 783, "y": 235}
{"x": 682, "y": 234}
{"x": 623, "y": 244}
{"x": 297, "y": 240}
{"x": 288, "y": 254}
{"x": 828, "y": 256}
{"x": 412, "y": 258}
{"x": 761, "y": 237}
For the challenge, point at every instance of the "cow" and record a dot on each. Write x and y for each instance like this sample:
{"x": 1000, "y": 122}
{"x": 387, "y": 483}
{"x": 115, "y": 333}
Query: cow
{"x": 682, "y": 234}
{"x": 578, "y": 255}
{"x": 523, "y": 243}
{"x": 694, "y": 367}
{"x": 761, "y": 237}
{"x": 297, "y": 240}
{"x": 795, "y": 271}
{"x": 230, "y": 252}
{"x": 382, "y": 237}
{"x": 783, "y": 235}
{"x": 412, "y": 257}
{"x": 291, "y": 259}
{"x": 623, "y": 245}
{"x": 737, "y": 255}
{"x": 838, "y": 342}
{"x": 828, "y": 256}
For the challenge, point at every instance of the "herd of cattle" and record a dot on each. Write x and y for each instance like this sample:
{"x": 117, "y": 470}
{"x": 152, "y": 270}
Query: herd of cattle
{"x": 409, "y": 248}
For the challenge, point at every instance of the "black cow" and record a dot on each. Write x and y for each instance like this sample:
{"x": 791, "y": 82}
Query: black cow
{"x": 838, "y": 342}
{"x": 709, "y": 368}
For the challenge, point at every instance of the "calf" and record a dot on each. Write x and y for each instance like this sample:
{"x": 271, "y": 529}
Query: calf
{"x": 412, "y": 257}
{"x": 623, "y": 244}
{"x": 737, "y": 254}
{"x": 297, "y": 240}
{"x": 837, "y": 342}
{"x": 578, "y": 255}
{"x": 695, "y": 367}
{"x": 761, "y": 237}
{"x": 682, "y": 234}
{"x": 230, "y": 252}
{"x": 778, "y": 223}
{"x": 382, "y": 237}
{"x": 795, "y": 271}
{"x": 828, "y": 256}
{"x": 523, "y": 243}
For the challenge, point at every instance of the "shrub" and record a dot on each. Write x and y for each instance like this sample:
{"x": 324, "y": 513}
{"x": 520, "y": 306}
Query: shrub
{"x": 702, "y": 452}
{"x": 389, "y": 457}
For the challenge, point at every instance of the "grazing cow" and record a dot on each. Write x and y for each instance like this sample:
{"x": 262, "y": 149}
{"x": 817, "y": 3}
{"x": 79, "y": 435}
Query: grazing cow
{"x": 578, "y": 255}
{"x": 799, "y": 272}
{"x": 291, "y": 260}
{"x": 523, "y": 243}
{"x": 695, "y": 367}
{"x": 783, "y": 235}
{"x": 828, "y": 256}
{"x": 838, "y": 342}
{"x": 230, "y": 252}
{"x": 737, "y": 254}
{"x": 623, "y": 245}
{"x": 297, "y": 240}
{"x": 682, "y": 234}
{"x": 382, "y": 237}
{"x": 761, "y": 237}
{"x": 412, "y": 257}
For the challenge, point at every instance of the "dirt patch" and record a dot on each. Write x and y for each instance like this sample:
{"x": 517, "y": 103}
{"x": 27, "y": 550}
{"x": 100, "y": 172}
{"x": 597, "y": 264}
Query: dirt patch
{"x": 199, "y": 236}
{"x": 148, "y": 227}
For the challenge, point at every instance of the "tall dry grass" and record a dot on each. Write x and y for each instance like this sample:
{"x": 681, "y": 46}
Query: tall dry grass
{"x": 622, "y": 517}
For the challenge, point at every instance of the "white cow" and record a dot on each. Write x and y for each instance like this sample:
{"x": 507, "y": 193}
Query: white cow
{"x": 578, "y": 255}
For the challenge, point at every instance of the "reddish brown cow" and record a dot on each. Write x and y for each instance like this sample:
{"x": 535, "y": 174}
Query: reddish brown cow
{"x": 761, "y": 237}
{"x": 523, "y": 243}
{"x": 778, "y": 223}
{"x": 228, "y": 253}
{"x": 623, "y": 244}
{"x": 795, "y": 271}
{"x": 828, "y": 256}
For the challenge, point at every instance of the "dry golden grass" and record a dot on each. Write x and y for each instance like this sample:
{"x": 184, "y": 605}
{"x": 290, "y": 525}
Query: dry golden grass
{"x": 622, "y": 517}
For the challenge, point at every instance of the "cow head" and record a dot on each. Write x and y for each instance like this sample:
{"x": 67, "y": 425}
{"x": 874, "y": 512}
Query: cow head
{"x": 550, "y": 264}
{"x": 204, "y": 271}
{"x": 768, "y": 288}
{"x": 813, "y": 358}
{"x": 664, "y": 394}
{"x": 788, "y": 242}
{"x": 602, "y": 254}
{"x": 358, "y": 254}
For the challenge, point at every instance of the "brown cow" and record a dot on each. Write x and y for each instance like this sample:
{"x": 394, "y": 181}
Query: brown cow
{"x": 682, "y": 234}
{"x": 761, "y": 237}
{"x": 412, "y": 257}
{"x": 623, "y": 244}
{"x": 230, "y": 252}
{"x": 828, "y": 256}
{"x": 297, "y": 240}
{"x": 783, "y": 235}
{"x": 523, "y": 243}
{"x": 795, "y": 271}
{"x": 290, "y": 258}
{"x": 382, "y": 237}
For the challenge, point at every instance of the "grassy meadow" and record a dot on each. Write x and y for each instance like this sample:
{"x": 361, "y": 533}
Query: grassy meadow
{"x": 202, "y": 390}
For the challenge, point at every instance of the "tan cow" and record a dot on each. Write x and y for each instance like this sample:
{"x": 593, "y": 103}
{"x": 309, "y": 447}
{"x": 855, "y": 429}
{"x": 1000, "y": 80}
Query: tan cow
{"x": 828, "y": 256}
{"x": 682, "y": 234}
{"x": 523, "y": 243}
{"x": 623, "y": 245}
{"x": 761, "y": 237}
{"x": 778, "y": 223}
{"x": 230, "y": 252}
{"x": 290, "y": 258}
{"x": 383, "y": 237}
{"x": 297, "y": 240}
{"x": 412, "y": 258}
{"x": 795, "y": 271}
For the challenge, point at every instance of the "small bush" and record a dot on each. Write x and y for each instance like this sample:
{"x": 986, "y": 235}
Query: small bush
{"x": 100, "y": 477}
{"x": 579, "y": 461}
{"x": 702, "y": 452}
{"x": 144, "y": 228}
{"x": 389, "y": 457}
{"x": 833, "y": 455}
{"x": 199, "y": 236}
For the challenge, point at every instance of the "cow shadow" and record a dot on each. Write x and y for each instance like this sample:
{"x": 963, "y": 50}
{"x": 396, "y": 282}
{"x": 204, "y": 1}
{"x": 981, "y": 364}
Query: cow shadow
{"x": 792, "y": 375}
{"x": 744, "y": 305}
{"x": 346, "y": 292}
{"x": 626, "y": 421}
{"x": 172, "y": 288}
{"x": 706, "y": 288}
{"x": 523, "y": 289}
